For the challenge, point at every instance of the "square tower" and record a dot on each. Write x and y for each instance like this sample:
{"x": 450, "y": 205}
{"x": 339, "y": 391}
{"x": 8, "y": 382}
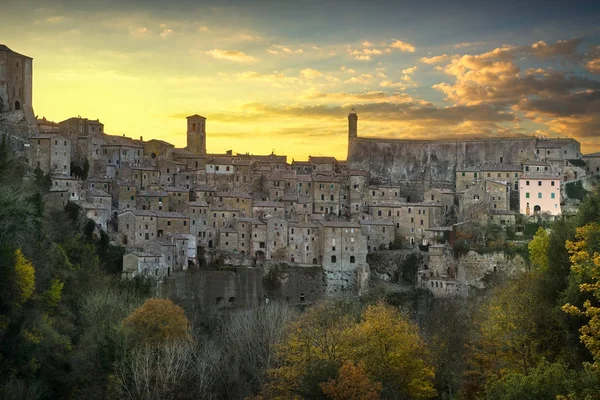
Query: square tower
{"x": 196, "y": 134}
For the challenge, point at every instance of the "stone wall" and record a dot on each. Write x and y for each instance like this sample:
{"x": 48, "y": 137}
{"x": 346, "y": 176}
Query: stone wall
{"x": 417, "y": 165}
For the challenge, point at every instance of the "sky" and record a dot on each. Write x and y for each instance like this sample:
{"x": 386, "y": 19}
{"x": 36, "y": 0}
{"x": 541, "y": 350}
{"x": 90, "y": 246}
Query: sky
{"x": 282, "y": 76}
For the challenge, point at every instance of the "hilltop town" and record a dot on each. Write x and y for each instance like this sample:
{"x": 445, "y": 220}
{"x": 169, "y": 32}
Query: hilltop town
{"x": 180, "y": 209}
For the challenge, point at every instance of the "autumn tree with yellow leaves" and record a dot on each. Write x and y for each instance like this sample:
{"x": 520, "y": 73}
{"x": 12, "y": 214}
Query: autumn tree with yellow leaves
{"x": 326, "y": 344}
{"x": 585, "y": 262}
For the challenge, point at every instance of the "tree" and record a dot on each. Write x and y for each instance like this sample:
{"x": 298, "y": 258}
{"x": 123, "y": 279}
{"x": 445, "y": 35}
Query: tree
{"x": 515, "y": 329}
{"x": 538, "y": 250}
{"x": 24, "y": 278}
{"x": 157, "y": 320}
{"x": 352, "y": 383}
{"x": 322, "y": 340}
{"x": 312, "y": 351}
{"x": 585, "y": 262}
{"x": 393, "y": 353}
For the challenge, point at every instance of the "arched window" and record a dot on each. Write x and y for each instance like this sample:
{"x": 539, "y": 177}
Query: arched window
{"x": 302, "y": 298}
{"x": 220, "y": 301}
{"x": 292, "y": 260}
{"x": 232, "y": 301}
{"x": 352, "y": 259}
{"x": 194, "y": 127}
{"x": 314, "y": 261}
{"x": 17, "y": 105}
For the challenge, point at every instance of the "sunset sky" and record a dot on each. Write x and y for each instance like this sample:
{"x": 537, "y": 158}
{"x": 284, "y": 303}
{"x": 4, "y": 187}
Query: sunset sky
{"x": 282, "y": 76}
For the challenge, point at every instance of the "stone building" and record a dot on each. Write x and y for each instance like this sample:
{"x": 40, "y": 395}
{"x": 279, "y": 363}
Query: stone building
{"x": 51, "y": 153}
{"x": 196, "y": 134}
{"x": 16, "y": 87}
{"x": 142, "y": 263}
{"x": 343, "y": 254}
{"x": 379, "y": 233}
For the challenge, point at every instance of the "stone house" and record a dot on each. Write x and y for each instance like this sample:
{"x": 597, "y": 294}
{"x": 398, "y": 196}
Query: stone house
{"x": 262, "y": 209}
{"x": 343, "y": 253}
{"x": 379, "y": 233}
{"x": 177, "y": 197}
{"x": 124, "y": 195}
{"x": 142, "y": 263}
{"x": 302, "y": 246}
{"x": 236, "y": 200}
{"x": 326, "y": 197}
{"x": 171, "y": 223}
{"x": 157, "y": 200}
{"x": 166, "y": 248}
{"x": 51, "y": 153}
{"x": 443, "y": 197}
{"x": 140, "y": 175}
{"x": 197, "y": 212}
{"x": 138, "y": 227}
{"x": 276, "y": 238}
{"x": 229, "y": 240}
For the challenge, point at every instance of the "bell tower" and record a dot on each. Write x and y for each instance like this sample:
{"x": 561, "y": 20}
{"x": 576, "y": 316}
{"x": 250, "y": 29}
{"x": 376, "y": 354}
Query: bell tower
{"x": 352, "y": 125}
{"x": 196, "y": 134}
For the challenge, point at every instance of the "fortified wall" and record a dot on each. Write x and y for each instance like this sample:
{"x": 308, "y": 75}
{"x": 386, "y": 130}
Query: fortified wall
{"x": 418, "y": 165}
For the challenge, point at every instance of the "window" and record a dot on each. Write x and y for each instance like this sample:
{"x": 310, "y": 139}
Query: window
{"x": 551, "y": 183}
{"x": 463, "y": 174}
{"x": 552, "y": 195}
{"x": 526, "y": 183}
{"x": 352, "y": 259}
{"x": 333, "y": 259}
{"x": 539, "y": 183}
{"x": 527, "y": 195}
{"x": 539, "y": 195}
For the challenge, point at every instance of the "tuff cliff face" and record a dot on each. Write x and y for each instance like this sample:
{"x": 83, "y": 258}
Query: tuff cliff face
{"x": 417, "y": 165}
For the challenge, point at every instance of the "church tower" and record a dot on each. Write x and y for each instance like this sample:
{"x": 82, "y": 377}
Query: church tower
{"x": 196, "y": 134}
{"x": 352, "y": 125}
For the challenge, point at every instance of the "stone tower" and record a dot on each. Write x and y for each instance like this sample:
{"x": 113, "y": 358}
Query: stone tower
{"x": 196, "y": 134}
{"x": 352, "y": 125}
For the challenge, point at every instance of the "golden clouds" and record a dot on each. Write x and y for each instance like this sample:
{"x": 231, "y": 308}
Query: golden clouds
{"x": 309, "y": 73}
{"x": 402, "y": 46}
{"x": 434, "y": 60}
{"x": 229, "y": 55}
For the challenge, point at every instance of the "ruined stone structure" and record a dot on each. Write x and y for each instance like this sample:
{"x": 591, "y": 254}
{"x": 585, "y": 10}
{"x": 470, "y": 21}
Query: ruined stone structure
{"x": 418, "y": 165}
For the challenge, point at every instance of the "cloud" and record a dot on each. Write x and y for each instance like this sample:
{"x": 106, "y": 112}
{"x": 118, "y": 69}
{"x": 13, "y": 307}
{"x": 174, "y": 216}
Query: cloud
{"x": 203, "y": 29}
{"x": 562, "y": 48}
{"x": 347, "y": 70}
{"x": 402, "y": 46}
{"x": 55, "y": 19}
{"x": 592, "y": 63}
{"x": 309, "y": 73}
{"x": 410, "y": 70}
{"x": 366, "y": 43}
{"x": 369, "y": 96}
{"x": 166, "y": 32}
{"x": 364, "y": 54}
{"x": 230, "y": 55}
{"x": 560, "y": 102}
{"x": 467, "y": 44}
{"x": 390, "y": 84}
{"x": 250, "y": 38}
{"x": 275, "y": 79}
{"x": 276, "y": 49}
{"x": 363, "y": 79}
{"x": 434, "y": 59}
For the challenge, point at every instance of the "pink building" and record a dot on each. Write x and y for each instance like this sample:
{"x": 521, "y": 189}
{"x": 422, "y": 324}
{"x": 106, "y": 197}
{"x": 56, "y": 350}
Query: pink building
{"x": 539, "y": 194}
